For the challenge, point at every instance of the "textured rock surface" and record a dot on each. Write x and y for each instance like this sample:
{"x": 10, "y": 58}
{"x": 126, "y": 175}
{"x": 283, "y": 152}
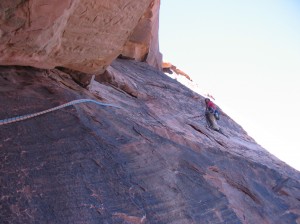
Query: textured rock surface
{"x": 143, "y": 44}
{"x": 169, "y": 68}
{"x": 153, "y": 161}
{"x": 83, "y": 35}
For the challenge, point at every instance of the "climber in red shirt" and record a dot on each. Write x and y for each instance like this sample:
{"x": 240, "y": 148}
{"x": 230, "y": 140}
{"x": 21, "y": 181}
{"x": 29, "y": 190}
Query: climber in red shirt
{"x": 212, "y": 108}
{"x": 210, "y": 105}
{"x": 212, "y": 114}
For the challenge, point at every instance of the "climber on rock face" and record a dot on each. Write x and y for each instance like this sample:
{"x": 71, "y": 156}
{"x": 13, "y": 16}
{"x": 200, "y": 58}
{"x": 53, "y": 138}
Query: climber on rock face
{"x": 212, "y": 114}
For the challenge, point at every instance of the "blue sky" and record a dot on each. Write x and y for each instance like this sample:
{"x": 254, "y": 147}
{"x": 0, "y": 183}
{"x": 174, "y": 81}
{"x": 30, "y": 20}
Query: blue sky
{"x": 246, "y": 53}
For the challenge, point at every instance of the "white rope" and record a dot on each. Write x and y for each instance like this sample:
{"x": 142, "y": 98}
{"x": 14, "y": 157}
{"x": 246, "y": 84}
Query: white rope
{"x": 27, "y": 116}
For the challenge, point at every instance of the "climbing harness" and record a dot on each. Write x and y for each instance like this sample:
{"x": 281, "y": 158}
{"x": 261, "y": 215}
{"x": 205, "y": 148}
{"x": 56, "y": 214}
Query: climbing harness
{"x": 217, "y": 114}
{"x": 27, "y": 116}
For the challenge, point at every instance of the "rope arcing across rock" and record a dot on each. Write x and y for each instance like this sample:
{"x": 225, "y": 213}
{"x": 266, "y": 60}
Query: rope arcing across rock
{"x": 27, "y": 116}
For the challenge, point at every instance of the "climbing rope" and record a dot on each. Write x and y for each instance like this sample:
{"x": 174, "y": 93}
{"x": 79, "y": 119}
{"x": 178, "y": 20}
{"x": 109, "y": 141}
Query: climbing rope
{"x": 27, "y": 116}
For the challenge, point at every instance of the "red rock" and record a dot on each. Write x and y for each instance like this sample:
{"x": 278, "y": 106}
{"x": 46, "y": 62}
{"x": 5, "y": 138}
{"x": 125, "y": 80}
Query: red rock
{"x": 169, "y": 68}
{"x": 143, "y": 44}
{"x": 153, "y": 161}
{"x": 82, "y": 35}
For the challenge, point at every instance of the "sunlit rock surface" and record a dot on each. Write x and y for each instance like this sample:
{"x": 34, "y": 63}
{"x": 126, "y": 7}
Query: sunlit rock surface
{"x": 82, "y": 35}
{"x": 153, "y": 161}
{"x": 168, "y": 68}
{"x": 143, "y": 43}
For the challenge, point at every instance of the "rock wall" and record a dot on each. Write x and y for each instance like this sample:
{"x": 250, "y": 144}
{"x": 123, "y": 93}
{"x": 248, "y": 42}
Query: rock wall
{"x": 82, "y": 35}
{"x": 143, "y": 44}
{"x": 153, "y": 161}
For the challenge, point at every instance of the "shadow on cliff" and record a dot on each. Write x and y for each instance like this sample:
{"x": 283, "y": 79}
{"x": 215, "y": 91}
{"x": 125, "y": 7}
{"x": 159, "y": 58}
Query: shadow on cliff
{"x": 153, "y": 161}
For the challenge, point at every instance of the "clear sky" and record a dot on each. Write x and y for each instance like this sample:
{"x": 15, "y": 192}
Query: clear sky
{"x": 246, "y": 53}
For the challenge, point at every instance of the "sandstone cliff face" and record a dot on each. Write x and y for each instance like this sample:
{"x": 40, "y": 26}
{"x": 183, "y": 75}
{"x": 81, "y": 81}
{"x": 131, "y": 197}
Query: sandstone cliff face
{"x": 143, "y": 44}
{"x": 83, "y": 35}
{"x": 152, "y": 161}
